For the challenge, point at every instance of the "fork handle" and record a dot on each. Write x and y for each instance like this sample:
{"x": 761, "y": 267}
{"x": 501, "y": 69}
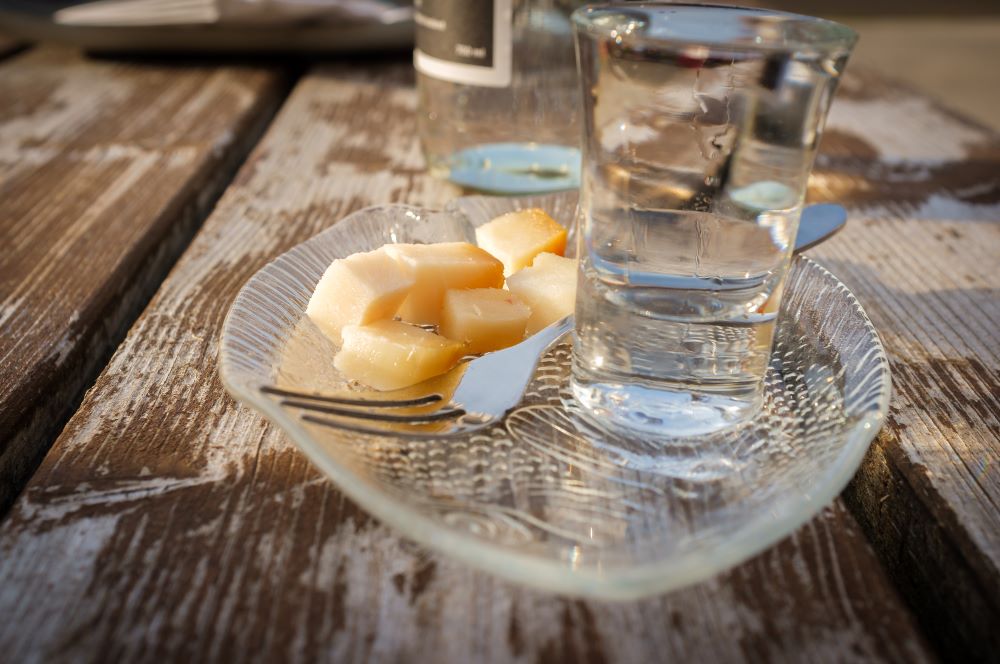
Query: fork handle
{"x": 548, "y": 336}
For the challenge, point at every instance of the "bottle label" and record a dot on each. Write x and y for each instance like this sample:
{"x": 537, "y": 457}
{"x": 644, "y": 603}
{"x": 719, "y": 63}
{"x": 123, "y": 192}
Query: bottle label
{"x": 464, "y": 41}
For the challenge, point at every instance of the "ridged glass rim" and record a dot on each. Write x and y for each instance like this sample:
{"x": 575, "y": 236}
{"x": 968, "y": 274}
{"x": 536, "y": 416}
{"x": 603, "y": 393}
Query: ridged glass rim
{"x": 841, "y": 37}
{"x": 636, "y": 581}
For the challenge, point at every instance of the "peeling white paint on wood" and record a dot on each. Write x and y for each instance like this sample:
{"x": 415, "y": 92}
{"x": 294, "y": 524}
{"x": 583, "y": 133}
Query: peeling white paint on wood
{"x": 906, "y": 128}
{"x": 920, "y": 252}
{"x": 104, "y": 167}
{"x": 224, "y": 543}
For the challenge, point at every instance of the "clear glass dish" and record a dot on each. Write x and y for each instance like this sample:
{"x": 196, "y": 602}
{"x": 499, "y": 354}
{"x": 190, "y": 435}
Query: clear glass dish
{"x": 543, "y": 499}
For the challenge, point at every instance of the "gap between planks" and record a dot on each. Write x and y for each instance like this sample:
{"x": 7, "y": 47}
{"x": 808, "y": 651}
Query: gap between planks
{"x": 54, "y": 394}
{"x": 924, "y": 198}
{"x": 9, "y": 47}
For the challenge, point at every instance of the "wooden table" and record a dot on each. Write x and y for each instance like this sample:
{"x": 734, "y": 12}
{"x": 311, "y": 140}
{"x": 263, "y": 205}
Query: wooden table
{"x": 151, "y": 518}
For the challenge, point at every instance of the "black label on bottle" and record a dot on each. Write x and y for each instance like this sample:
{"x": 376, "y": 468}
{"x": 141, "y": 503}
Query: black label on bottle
{"x": 464, "y": 41}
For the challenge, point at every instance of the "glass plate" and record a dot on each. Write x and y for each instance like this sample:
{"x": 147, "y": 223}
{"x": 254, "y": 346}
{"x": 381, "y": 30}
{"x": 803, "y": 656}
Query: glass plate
{"x": 541, "y": 498}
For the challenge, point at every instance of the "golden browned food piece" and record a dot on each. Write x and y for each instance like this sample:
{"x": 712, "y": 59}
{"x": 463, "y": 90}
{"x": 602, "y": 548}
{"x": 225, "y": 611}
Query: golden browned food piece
{"x": 548, "y": 287}
{"x": 437, "y": 268}
{"x": 359, "y": 289}
{"x": 389, "y": 354}
{"x": 484, "y": 318}
{"x": 517, "y": 237}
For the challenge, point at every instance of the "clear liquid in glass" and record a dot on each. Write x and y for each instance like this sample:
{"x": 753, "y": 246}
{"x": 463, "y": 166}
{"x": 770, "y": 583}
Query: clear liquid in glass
{"x": 674, "y": 329}
{"x": 700, "y": 128}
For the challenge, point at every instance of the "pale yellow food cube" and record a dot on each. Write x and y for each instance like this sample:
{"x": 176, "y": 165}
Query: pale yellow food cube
{"x": 517, "y": 237}
{"x": 440, "y": 267}
{"x": 548, "y": 287}
{"x": 389, "y": 354}
{"x": 484, "y": 318}
{"x": 359, "y": 289}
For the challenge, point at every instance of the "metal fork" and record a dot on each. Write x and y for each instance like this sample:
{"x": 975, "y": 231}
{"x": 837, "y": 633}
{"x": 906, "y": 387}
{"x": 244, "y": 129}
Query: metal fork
{"x": 489, "y": 386}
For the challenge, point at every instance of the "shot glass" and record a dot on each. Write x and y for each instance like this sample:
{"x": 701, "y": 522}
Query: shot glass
{"x": 700, "y": 127}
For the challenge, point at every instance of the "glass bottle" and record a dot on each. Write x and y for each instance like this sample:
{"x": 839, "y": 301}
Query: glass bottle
{"x": 498, "y": 99}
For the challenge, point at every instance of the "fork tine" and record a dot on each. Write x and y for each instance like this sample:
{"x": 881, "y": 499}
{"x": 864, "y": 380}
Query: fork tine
{"x": 372, "y": 403}
{"x": 416, "y": 418}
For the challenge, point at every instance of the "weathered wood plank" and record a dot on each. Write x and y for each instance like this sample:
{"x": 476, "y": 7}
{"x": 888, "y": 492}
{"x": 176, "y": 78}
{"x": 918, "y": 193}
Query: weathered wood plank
{"x": 180, "y": 526}
{"x": 922, "y": 254}
{"x": 106, "y": 171}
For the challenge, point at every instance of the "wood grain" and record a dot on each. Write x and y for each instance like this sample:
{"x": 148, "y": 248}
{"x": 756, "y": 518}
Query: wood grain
{"x": 169, "y": 523}
{"x": 106, "y": 171}
{"x": 921, "y": 253}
